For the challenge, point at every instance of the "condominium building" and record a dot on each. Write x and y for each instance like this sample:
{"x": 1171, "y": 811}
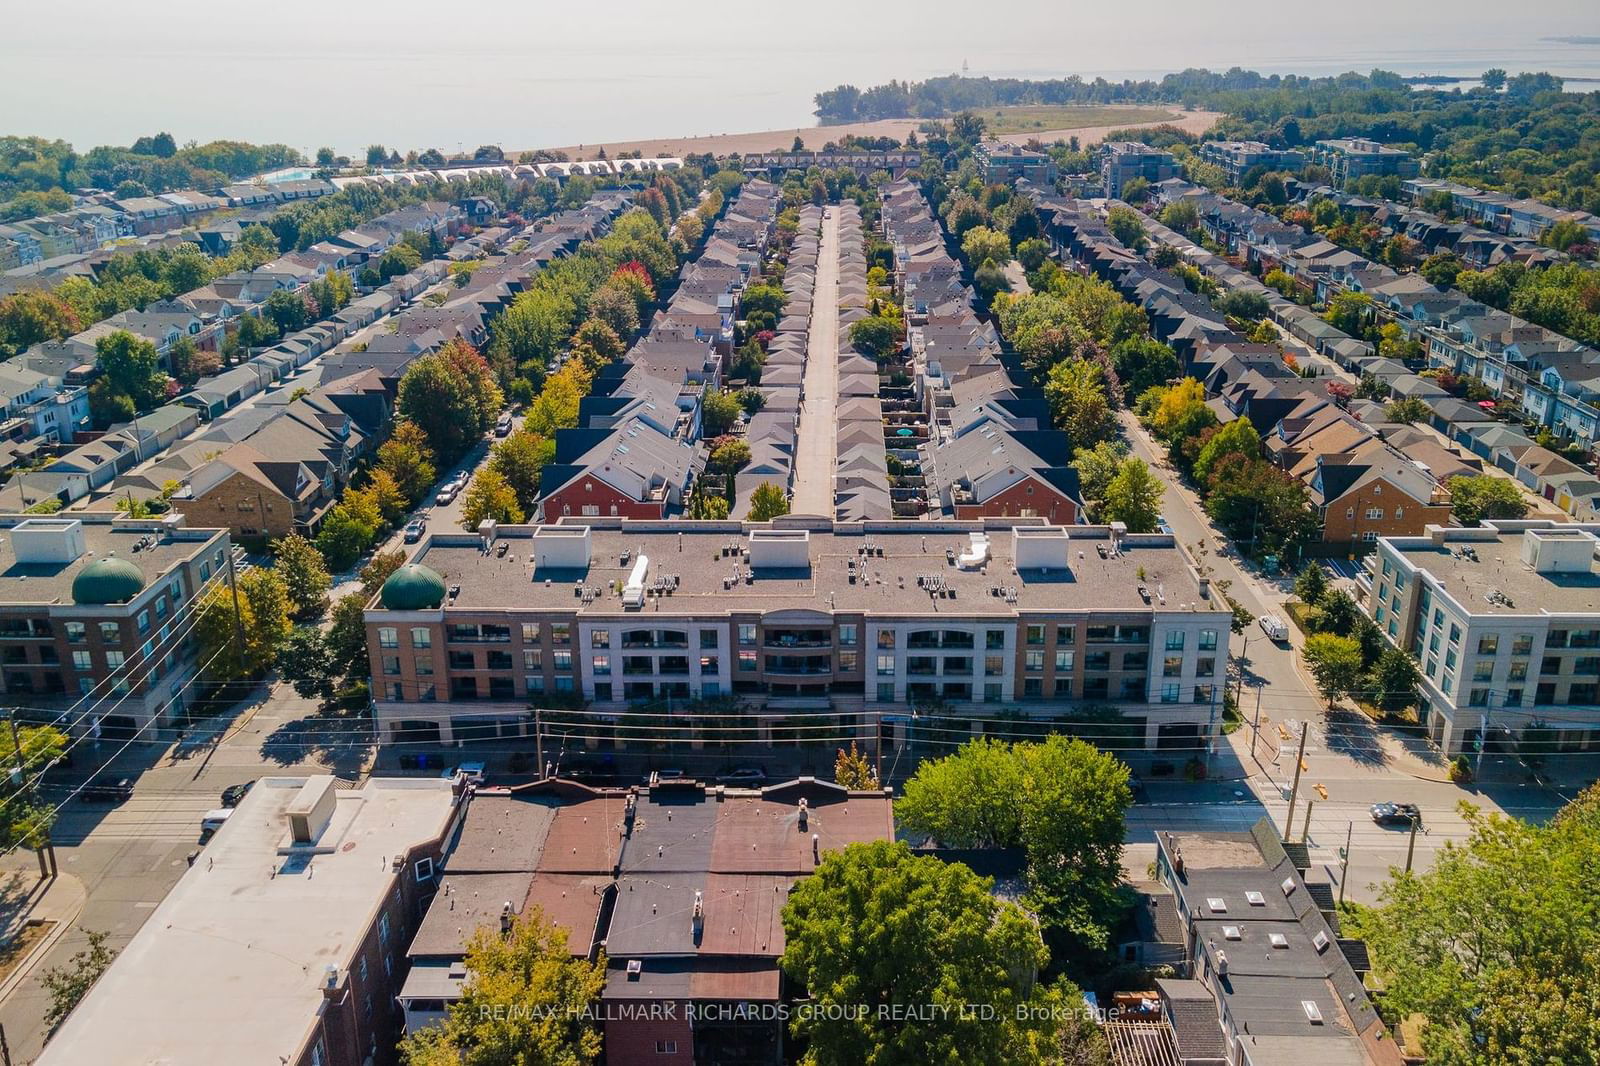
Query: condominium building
{"x": 1006, "y": 161}
{"x": 859, "y": 621}
{"x": 1236, "y": 158}
{"x": 286, "y": 943}
{"x": 99, "y": 604}
{"x": 1356, "y": 157}
{"x": 1504, "y": 622}
{"x": 1122, "y": 161}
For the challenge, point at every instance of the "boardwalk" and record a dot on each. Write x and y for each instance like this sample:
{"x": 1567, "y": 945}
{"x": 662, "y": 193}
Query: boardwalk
{"x": 814, "y": 458}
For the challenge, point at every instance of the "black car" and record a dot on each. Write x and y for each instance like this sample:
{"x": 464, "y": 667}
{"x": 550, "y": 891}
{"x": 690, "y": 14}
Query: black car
{"x": 1401, "y": 814}
{"x": 107, "y": 791}
{"x": 234, "y": 793}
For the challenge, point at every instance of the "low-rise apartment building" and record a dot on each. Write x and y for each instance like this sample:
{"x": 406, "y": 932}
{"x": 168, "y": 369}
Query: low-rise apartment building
{"x": 1006, "y": 161}
{"x": 1348, "y": 158}
{"x": 97, "y": 604}
{"x": 860, "y": 621}
{"x": 1236, "y": 158}
{"x": 286, "y": 943}
{"x": 1504, "y": 622}
{"x": 1122, "y": 161}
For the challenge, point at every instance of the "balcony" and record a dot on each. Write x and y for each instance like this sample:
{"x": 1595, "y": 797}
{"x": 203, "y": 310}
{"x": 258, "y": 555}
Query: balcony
{"x": 798, "y": 666}
{"x": 807, "y": 638}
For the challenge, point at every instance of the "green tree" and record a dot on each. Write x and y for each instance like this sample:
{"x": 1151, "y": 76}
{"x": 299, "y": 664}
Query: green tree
{"x": 1134, "y": 497}
{"x": 67, "y": 985}
{"x": 1127, "y": 225}
{"x": 131, "y": 367}
{"x": 768, "y": 298}
{"x": 1441, "y": 269}
{"x": 107, "y": 406}
{"x": 1097, "y": 467}
{"x": 875, "y": 924}
{"x": 767, "y": 502}
{"x": 30, "y": 316}
{"x": 407, "y": 457}
{"x": 1312, "y": 584}
{"x": 521, "y": 459}
{"x": 1406, "y": 410}
{"x": 344, "y": 535}
{"x": 1246, "y": 304}
{"x": 1335, "y": 664}
{"x": 531, "y": 967}
{"x": 876, "y": 337}
{"x": 718, "y": 412}
{"x": 307, "y": 663}
{"x": 1348, "y": 311}
{"x": 1080, "y": 403}
{"x": 729, "y": 456}
{"x": 304, "y": 573}
{"x": 490, "y": 496}
{"x": 264, "y": 617}
{"x": 982, "y": 244}
{"x": 853, "y": 770}
{"x": 1238, "y": 437}
{"x": 1473, "y": 499}
{"x": 451, "y": 396}
{"x": 1181, "y": 215}
{"x": 347, "y": 636}
{"x": 401, "y": 259}
{"x": 1393, "y": 681}
{"x": 286, "y": 310}
{"x": 1257, "y": 503}
{"x": 1142, "y": 363}
{"x": 1032, "y": 253}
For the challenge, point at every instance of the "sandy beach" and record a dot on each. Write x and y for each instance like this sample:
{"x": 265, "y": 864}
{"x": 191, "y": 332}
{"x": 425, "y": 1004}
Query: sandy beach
{"x": 816, "y": 136}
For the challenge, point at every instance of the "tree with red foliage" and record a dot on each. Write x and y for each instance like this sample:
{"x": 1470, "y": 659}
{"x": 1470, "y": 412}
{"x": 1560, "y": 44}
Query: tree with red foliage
{"x": 1340, "y": 393}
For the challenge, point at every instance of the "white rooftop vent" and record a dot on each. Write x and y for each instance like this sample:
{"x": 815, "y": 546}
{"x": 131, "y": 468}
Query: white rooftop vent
{"x": 977, "y": 553}
{"x": 1313, "y": 1012}
{"x": 1255, "y": 899}
{"x": 1278, "y": 940}
{"x": 1217, "y": 904}
{"x": 1230, "y": 932}
{"x": 1321, "y": 941}
{"x": 633, "y": 591}
{"x": 1288, "y": 886}
{"x": 1558, "y": 551}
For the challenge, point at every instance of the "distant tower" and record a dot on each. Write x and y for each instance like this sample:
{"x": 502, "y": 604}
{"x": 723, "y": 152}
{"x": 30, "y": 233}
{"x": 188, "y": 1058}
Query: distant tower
{"x": 964, "y": 68}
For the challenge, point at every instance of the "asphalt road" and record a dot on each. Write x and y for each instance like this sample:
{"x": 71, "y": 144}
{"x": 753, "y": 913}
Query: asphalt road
{"x": 814, "y": 453}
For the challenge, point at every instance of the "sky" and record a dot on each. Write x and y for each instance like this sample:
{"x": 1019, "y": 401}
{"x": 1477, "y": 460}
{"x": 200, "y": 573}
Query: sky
{"x": 417, "y": 74}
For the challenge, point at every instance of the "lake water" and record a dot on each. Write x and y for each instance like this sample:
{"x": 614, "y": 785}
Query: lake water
{"x": 524, "y": 73}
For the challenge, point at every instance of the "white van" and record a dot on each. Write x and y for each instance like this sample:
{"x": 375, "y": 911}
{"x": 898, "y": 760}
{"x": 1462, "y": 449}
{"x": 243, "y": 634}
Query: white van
{"x": 214, "y": 820}
{"x": 1274, "y": 627}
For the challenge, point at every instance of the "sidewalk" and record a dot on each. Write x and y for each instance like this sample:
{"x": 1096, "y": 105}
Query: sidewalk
{"x": 59, "y": 900}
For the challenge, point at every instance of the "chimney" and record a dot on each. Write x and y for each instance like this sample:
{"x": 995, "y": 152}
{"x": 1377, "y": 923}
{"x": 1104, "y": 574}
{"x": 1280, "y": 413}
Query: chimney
{"x": 804, "y": 812}
{"x": 816, "y": 848}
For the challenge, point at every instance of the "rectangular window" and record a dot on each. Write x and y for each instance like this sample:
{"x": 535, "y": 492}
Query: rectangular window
{"x": 561, "y": 633}
{"x": 886, "y": 692}
{"x": 1483, "y": 670}
{"x": 1208, "y": 640}
{"x": 1033, "y": 661}
{"x": 600, "y": 665}
{"x": 885, "y": 638}
{"x": 1204, "y": 693}
{"x": 424, "y": 872}
{"x": 1064, "y": 661}
{"x": 847, "y": 635}
{"x": 747, "y": 662}
{"x": 1035, "y": 636}
{"x": 1522, "y": 644}
{"x": 391, "y": 664}
{"x": 995, "y": 640}
{"x": 144, "y": 622}
{"x": 562, "y": 660}
{"x": 747, "y": 635}
{"x": 421, "y": 637}
{"x": 1169, "y": 692}
{"x": 599, "y": 638}
{"x": 1489, "y": 644}
{"x": 1063, "y": 689}
{"x": 1172, "y": 666}
{"x": 388, "y": 637}
{"x": 1479, "y": 697}
{"x": 81, "y": 660}
{"x": 848, "y": 661}
{"x": 530, "y": 632}
{"x": 75, "y": 633}
{"x": 111, "y": 632}
{"x": 1175, "y": 640}
{"x": 532, "y": 659}
{"x": 886, "y": 665}
{"x": 114, "y": 659}
{"x": 710, "y": 664}
{"x": 708, "y": 640}
{"x": 534, "y": 682}
{"x": 1518, "y": 671}
{"x": 1066, "y": 635}
{"x": 1205, "y": 666}
{"x": 1455, "y": 633}
{"x": 1033, "y": 688}
{"x": 994, "y": 665}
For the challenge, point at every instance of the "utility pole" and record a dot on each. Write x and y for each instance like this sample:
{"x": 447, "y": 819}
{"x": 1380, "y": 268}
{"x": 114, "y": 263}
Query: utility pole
{"x": 1256, "y": 725}
{"x": 5, "y": 1048}
{"x": 1483, "y": 735}
{"x": 538, "y": 739}
{"x": 238, "y": 614}
{"x": 1344, "y": 860}
{"x": 1294, "y": 792}
{"x": 1305, "y": 824}
{"x": 1243, "y": 652}
{"x": 877, "y": 748}
{"x": 1411, "y": 845}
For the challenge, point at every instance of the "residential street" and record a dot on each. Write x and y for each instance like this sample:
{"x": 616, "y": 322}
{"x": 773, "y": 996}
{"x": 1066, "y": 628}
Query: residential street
{"x": 814, "y": 458}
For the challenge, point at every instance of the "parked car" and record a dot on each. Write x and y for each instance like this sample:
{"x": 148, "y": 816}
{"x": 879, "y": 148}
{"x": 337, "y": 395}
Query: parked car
{"x": 414, "y": 530}
{"x": 1274, "y": 627}
{"x": 213, "y": 821}
{"x": 471, "y": 772}
{"x": 671, "y": 773}
{"x": 234, "y": 793}
{"x": 446, "y": 495}
{"x": 107, "y": 791}
{"x": 1401, "y": 814}
{"x": 502, "y": 425}
{"x": 747, "y": 775}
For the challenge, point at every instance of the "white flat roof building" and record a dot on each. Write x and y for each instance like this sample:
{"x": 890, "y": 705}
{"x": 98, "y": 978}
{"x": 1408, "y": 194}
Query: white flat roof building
{"x": 293, "y": 920}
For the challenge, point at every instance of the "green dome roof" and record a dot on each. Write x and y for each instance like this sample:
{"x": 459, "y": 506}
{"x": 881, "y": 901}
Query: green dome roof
{"x": 413, "y": 588}
{"x": 108, "y": 580}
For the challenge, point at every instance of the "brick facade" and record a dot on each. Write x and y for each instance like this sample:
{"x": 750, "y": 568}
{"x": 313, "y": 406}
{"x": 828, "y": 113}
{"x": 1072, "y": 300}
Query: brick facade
{"x": 590, "y": 492}
{"x": 247, "y": 507}
{"x": 1346, "y": 520}
{"x": 1027, "y": 498}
